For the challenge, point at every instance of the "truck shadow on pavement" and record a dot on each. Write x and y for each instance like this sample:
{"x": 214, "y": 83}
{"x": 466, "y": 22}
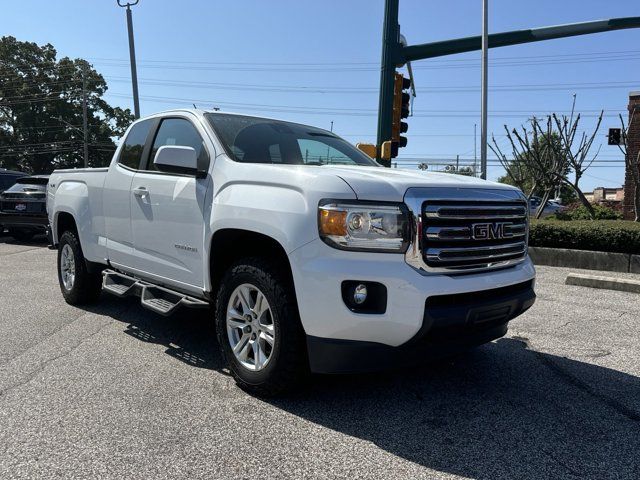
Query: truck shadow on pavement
{"x": 188, "y": 335}
{"x": 501, "y": 411}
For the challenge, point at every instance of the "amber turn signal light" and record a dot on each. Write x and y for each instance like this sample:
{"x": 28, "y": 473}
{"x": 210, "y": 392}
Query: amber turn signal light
{"x": 333, "y": 222}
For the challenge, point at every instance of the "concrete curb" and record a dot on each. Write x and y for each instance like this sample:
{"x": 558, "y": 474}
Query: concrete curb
{"x": 585, "y": 259}
{"x": 607, "y": 283}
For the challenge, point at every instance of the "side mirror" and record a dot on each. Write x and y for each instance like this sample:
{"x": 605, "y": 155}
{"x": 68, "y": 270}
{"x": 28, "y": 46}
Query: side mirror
{"x": 176, "y": 159}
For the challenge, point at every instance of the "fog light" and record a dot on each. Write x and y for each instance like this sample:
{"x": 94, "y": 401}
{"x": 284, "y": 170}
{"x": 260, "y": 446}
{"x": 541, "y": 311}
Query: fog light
{"x": 364, "y": 297}
{"x": 360, "y": 294}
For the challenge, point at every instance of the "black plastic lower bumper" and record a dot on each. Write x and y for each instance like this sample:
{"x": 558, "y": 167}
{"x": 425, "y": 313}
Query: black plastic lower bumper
{"x": 451, "y": 324}
{"x": 24, "y": 221}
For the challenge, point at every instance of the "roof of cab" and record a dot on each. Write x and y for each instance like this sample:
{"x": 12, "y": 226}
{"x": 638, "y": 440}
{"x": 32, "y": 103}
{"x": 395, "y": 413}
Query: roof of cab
{"x": 201, "y": 112}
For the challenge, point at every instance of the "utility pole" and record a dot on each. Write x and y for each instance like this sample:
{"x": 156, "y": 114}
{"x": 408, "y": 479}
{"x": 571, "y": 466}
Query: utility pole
{"x": 85, "y": 126}
{"x": 390, "y": 54}
{"x": 475, "y": 149}
{"x": 485, "y": 78}
{"x": 132, "y": 56}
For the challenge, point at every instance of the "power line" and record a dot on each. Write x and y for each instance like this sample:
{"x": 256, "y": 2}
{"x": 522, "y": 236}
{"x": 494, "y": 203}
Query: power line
{"x": 309, "y": 89}
{"x": 310, "y": 109}
{"x": 565, "y": 55}
{"x": 348, "y": 90}
{"x": 372, "y": 66}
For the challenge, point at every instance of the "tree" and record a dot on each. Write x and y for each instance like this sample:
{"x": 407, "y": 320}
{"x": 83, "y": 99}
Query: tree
{"x": 578, "y": 156}
{"x": 546, "y": 156}
{"x": 41, "y": 114}
{"x": 565, "y": 194}
{"x": 537, "y": 163}
{"x": 632, "y": 164}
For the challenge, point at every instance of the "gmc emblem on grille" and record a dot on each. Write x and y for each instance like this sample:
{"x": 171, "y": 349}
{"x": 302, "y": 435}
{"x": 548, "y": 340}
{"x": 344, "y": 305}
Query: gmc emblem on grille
{"x": 491, "y": 231}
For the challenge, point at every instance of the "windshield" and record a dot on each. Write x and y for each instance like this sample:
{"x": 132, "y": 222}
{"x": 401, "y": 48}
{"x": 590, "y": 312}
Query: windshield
{"x": 35, "y": 180}
{"x": 260, "y": 140}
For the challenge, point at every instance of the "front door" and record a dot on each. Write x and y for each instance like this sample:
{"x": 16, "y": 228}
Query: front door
{"x": 168, "y": 213}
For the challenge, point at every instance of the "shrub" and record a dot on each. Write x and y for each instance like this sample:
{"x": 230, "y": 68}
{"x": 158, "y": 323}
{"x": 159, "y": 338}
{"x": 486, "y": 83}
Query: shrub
{"x": 604, "y": 236}
{"x": 579, "y": 212}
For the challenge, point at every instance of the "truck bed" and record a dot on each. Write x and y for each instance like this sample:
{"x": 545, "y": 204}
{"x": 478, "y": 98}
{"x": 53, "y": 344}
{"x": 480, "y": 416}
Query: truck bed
{"x": 79, "y": 192}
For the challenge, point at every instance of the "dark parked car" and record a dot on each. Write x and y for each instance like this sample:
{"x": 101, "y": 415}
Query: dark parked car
{"x": 23, "y": 207}
{"x": 8, "y": 178}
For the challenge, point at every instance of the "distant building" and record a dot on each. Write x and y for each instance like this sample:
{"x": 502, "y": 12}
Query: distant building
{"x": 604, "y": 194}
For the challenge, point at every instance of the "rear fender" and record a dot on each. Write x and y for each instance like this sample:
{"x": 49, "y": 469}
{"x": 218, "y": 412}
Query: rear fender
{"x": 72, "y": 197}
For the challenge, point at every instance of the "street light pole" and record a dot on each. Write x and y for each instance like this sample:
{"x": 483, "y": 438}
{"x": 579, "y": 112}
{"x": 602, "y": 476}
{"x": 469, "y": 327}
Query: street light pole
{"x": 85, "y": 127}
{"x": 485, "y": 78}
{"x": 132, "y": 56}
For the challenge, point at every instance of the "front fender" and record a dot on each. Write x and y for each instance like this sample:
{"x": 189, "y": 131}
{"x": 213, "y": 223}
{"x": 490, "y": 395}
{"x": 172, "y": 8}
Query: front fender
{"x": 280, "y": 212}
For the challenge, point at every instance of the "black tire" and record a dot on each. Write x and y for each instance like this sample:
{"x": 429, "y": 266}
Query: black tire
{"x": 86, "y": 286}
{"x": 288, "y": 363}
{"x": 22, "y": 235}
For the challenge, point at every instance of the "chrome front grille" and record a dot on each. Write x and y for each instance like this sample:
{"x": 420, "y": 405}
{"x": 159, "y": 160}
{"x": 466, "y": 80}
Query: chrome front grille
{"x": 466, "y": 234}
{"x": 466, "y": 211}
{"x": 465, "y": 230}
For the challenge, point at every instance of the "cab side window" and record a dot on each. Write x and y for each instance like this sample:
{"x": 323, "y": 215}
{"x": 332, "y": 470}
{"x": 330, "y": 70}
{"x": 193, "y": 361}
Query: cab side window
{"x": 178, "y": 131}
{"x": 131, "y": 152}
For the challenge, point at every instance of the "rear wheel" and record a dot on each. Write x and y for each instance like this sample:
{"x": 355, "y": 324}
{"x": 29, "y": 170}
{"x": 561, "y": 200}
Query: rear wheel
{"x": 258, "y": 328}
{"x": 78, "y": 285}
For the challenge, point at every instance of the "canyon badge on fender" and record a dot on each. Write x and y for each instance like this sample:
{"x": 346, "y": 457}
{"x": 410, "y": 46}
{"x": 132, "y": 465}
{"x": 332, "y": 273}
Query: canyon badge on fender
{"x": 188, "y": 248}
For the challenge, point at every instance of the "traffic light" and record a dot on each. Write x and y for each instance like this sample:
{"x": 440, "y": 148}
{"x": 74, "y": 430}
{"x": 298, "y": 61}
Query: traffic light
{"x": 615, "y": 136}
{"x": 401, "y": 100}
{"x": 372, "y": 150}
{"x": 368, "y": 148}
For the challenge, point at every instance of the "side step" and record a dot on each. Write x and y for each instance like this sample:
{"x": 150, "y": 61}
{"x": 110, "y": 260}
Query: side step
{"x": 158, "y": 299}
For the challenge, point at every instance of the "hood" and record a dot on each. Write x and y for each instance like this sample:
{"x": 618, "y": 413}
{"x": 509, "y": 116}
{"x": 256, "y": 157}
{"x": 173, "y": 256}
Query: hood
{"x": 386, "y": 184}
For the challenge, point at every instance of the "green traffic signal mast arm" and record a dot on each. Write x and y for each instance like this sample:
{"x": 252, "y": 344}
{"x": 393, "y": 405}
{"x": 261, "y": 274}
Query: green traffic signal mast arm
{"x": 395, "y": 54}
{"x": 505, "y": 39}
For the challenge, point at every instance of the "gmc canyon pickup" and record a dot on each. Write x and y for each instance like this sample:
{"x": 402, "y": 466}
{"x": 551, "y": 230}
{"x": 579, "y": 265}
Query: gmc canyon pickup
{"x": 313, "y": 257}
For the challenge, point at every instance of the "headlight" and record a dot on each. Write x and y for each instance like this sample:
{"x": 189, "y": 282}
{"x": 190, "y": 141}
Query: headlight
{"x": 352, "y": 225}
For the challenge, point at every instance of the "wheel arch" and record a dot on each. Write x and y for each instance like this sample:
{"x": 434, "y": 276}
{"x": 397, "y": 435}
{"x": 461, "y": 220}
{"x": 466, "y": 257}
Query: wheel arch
{"x": 229, "y": 245}
{"x": 64, "y": 221}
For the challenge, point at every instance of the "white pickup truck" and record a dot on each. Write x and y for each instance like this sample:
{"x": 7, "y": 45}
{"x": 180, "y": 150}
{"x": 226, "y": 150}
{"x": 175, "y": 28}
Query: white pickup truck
{"x": 313, "y": 257}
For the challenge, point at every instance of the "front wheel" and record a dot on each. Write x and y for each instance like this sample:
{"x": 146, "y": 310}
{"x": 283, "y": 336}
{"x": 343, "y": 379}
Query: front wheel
{"x": 78, "y": 285}
{"x": 258, "y": 328}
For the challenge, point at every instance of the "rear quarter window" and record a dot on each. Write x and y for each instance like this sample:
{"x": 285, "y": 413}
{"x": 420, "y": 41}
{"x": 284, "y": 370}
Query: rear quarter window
{"x": 133, "y": 146}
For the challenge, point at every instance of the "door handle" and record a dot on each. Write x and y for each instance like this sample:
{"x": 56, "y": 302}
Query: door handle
{"x": 140, "y": 192}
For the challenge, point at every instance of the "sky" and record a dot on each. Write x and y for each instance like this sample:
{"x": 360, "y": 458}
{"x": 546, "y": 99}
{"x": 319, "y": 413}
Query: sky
{"x": 318, "y": 62}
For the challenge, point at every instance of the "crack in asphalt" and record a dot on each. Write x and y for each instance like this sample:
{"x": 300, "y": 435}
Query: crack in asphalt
{"x": 21, "y": 251}
{"x": 43, "y": 365}
{"x": 576, "y": 382}
{"x": 43, "y": 340}
{"x": 573, "y": 472}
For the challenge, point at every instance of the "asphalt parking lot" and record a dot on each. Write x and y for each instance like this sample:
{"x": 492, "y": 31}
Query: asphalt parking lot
{"x": 115, "y": 391}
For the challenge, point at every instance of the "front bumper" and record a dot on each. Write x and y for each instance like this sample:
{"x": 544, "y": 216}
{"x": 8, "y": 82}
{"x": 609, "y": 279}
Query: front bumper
{"x": 333, "y": 330}
{"x": 451, "y": 324}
